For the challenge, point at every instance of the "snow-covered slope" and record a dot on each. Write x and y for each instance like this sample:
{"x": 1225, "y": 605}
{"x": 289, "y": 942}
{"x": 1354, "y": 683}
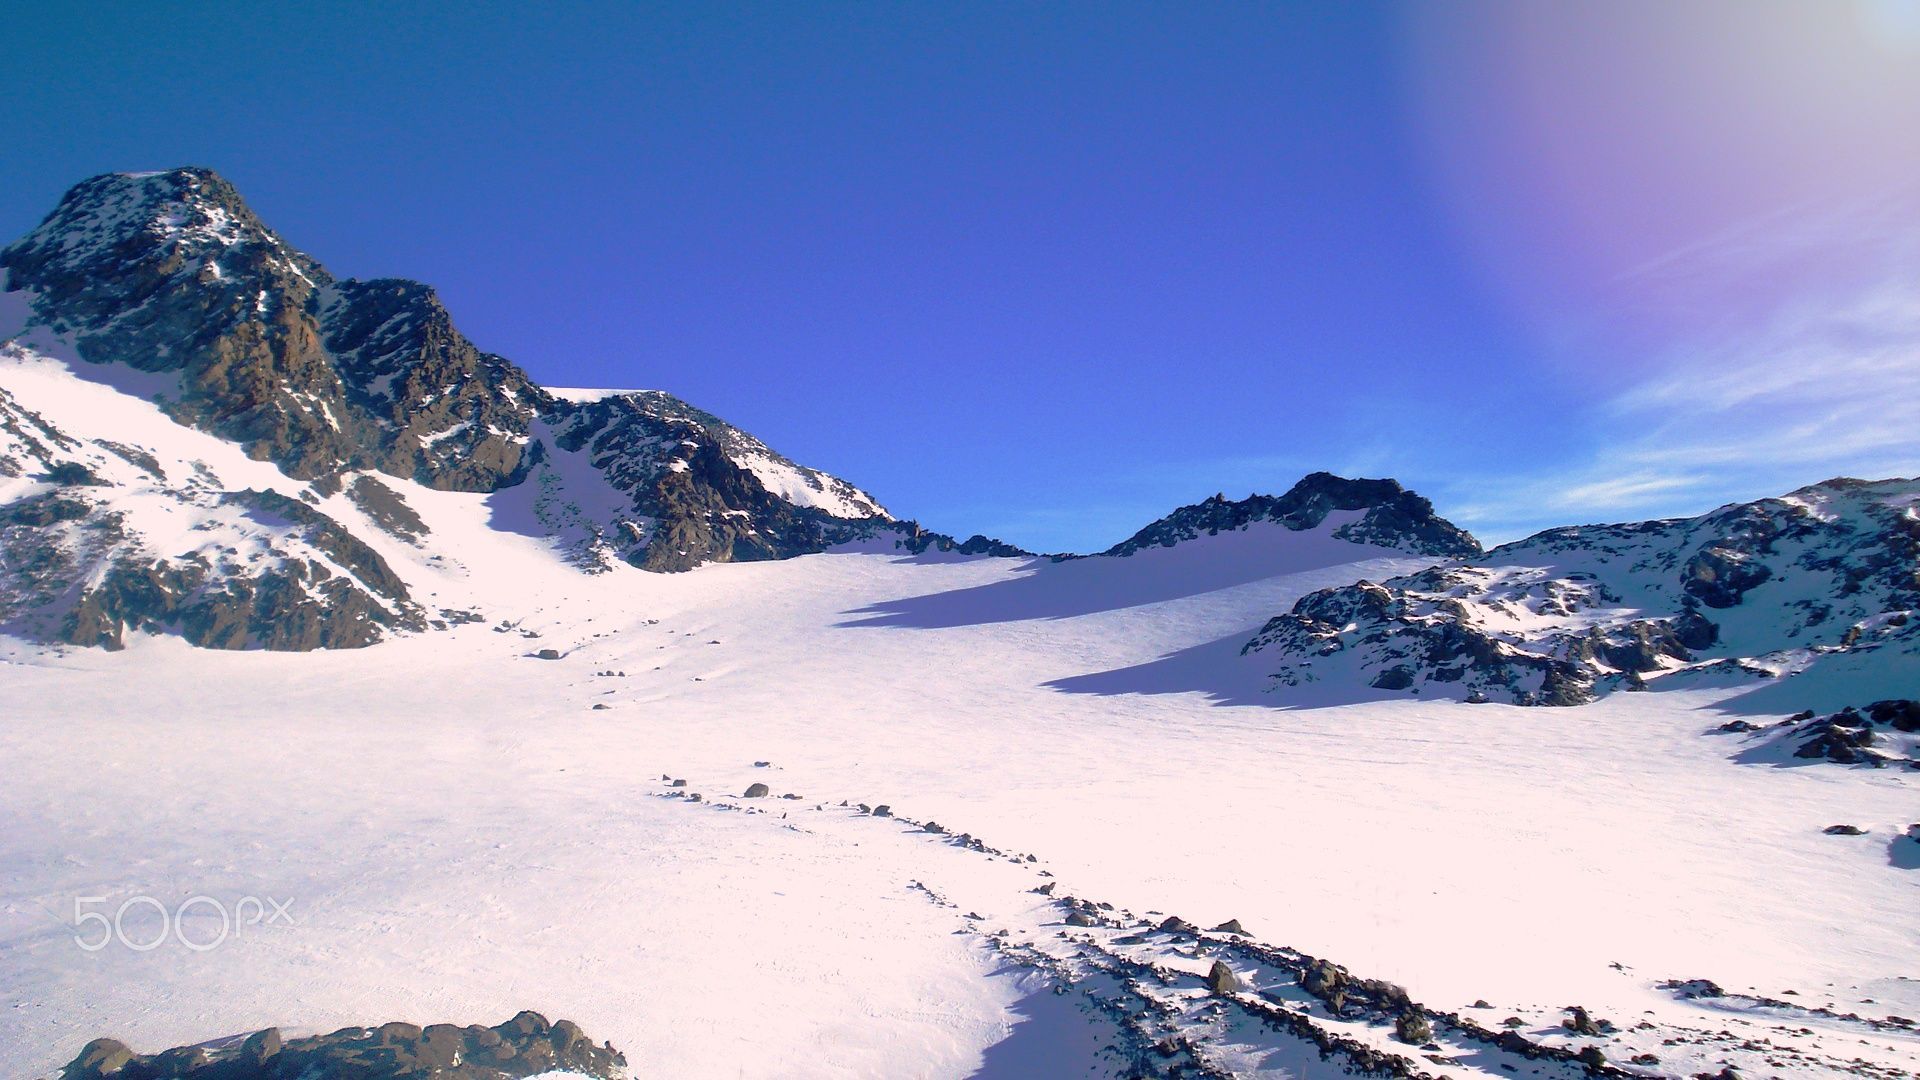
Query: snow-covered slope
{"x": 1828, "y": 575}
{"x": 1015, "y": 822}
{"x": 462, "y": 834}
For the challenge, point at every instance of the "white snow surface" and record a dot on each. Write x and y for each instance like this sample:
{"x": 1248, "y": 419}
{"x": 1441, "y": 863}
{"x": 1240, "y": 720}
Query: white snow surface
{"x": 584, "y": 395}
{"x": 461, "y": 835}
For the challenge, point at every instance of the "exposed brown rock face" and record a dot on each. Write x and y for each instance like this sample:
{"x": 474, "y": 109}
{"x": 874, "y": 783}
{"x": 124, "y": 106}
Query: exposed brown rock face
{"x": 173, "y": 272}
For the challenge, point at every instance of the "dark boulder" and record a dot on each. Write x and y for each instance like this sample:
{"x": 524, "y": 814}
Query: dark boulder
{"x": 1413, "y": 1027}
{"x": 1719, "y": 576}
{"x": 1221, "y": 980}
{"x": 1580, "y": 1022}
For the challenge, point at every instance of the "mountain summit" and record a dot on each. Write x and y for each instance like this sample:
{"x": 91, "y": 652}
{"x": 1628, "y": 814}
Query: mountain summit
{"x": 172, "y": 273}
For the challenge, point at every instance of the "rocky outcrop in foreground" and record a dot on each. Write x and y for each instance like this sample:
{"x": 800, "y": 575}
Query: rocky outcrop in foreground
{"x": 526, "y": 1045}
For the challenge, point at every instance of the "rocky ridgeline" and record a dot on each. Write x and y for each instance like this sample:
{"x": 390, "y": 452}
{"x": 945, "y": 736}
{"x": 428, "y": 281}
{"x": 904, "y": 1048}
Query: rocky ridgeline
{"x": 1390, "y": 517}
{"x": 526, "y": 1045}
{"x": 1570, "y": 614}
{"x": 695, "y": 490}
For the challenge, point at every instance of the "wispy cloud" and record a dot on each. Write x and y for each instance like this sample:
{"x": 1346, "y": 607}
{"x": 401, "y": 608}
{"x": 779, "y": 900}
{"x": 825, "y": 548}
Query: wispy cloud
{"x": 1821, "y": 389}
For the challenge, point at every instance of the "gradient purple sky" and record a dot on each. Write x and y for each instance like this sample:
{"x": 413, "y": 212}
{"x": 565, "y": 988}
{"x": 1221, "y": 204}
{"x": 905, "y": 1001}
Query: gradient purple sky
{"x": 1046, "y": 273}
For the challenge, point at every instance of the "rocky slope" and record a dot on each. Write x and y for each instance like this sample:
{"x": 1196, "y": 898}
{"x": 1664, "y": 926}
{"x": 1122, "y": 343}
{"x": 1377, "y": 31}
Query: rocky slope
{"x": 100, "y": 537}
{"x": 1759, "y": 589}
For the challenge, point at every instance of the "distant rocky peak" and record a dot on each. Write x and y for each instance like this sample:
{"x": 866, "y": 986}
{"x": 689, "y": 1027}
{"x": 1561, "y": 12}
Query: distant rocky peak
{"x": 1390, "y": 516}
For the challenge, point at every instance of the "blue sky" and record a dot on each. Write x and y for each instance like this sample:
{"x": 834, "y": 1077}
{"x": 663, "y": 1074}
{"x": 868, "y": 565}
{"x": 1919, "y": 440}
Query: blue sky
{"x": 1048, "y": 272}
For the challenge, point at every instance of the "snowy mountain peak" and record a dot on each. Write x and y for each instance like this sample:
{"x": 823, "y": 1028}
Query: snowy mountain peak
{"x": 167, "y": 285}
{"x": 1380, "y": 513}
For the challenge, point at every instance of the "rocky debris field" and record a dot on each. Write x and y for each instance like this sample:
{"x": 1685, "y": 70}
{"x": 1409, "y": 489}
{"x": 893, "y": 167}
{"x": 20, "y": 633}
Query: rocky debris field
{"x": 1160, "y": 997}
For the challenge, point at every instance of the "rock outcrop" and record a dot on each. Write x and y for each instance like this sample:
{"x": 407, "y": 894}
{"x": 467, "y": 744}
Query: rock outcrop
{"x": 256, "y": 569}
{"x": 526, "y": 1045}
{"x": 1569, "y": 614}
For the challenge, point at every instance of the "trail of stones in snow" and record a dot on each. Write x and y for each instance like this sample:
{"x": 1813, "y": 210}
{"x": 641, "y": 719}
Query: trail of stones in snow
{"x": 1157, "y": 989}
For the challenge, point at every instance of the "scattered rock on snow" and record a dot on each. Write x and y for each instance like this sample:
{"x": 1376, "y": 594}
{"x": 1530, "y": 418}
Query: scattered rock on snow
{"x": 1580, "y": 1022}
{"x": 756, "y": 791}
{"x": 1844, "y": 830}
{"x": 1221, "y": 980}
{"x": 1413, "y": 1027}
